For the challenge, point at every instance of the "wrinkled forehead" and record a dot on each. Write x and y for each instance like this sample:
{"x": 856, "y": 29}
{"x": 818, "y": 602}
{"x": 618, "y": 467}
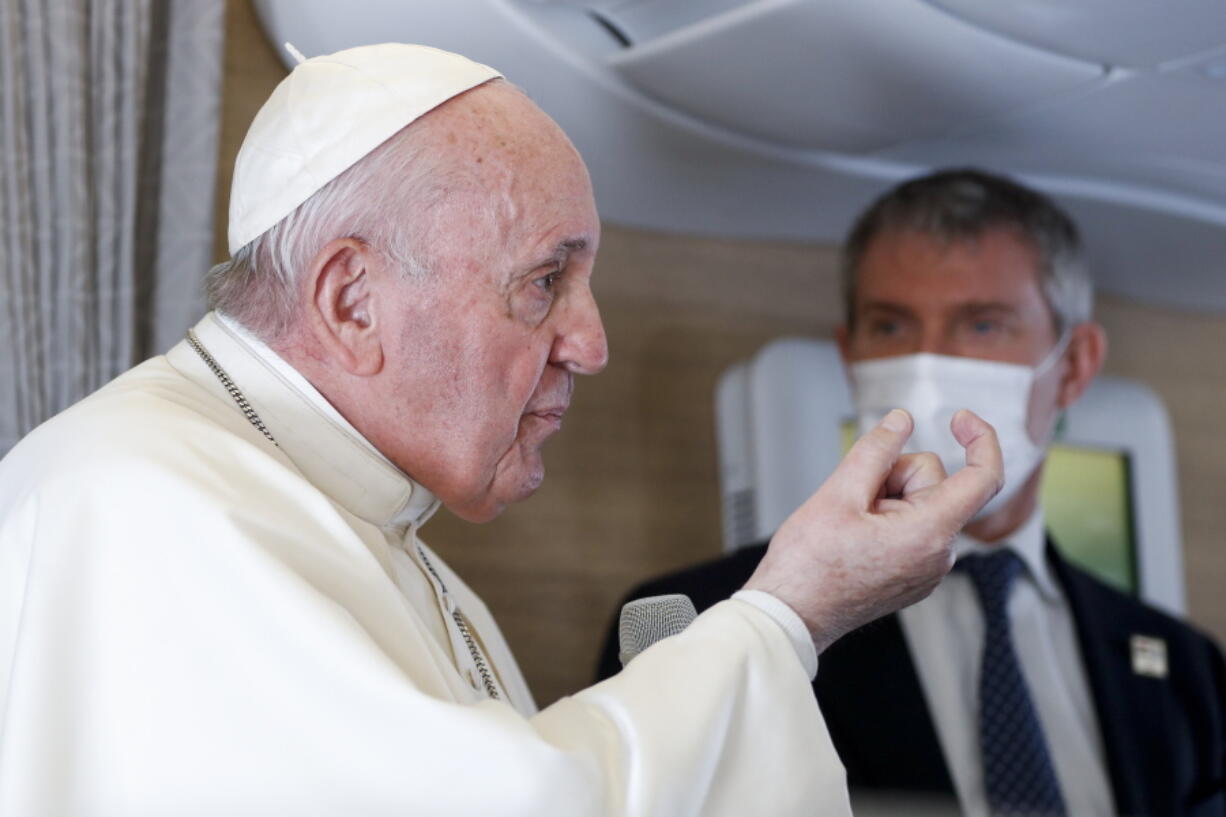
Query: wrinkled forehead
{"x": 507, "y": 166}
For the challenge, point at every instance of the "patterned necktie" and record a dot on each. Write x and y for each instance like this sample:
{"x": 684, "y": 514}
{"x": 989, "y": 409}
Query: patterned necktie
{"x": 1017, "y": 767}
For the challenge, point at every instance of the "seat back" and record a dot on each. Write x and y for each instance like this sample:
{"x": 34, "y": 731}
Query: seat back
{"x": 1110, "y": 492}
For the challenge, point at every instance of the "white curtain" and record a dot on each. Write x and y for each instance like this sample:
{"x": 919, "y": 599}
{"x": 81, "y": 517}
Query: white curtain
{"x": 109, "y": 115}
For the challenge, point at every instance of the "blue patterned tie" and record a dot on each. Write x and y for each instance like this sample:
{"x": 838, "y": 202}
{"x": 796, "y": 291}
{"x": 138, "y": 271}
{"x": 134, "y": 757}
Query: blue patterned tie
{"x": 1017, "y": 768}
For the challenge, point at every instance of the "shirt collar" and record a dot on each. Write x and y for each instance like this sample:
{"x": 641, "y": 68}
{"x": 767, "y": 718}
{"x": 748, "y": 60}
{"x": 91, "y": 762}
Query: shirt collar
{"x": 321, "y": 443}
{"x": 1029, "y": 542}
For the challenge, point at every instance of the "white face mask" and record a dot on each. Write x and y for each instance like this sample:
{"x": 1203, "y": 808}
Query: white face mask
{"x": 934, "y": 387}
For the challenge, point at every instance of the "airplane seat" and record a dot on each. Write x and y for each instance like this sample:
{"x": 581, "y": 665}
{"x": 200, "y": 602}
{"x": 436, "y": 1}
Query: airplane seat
{"x": 1110, "y": 491}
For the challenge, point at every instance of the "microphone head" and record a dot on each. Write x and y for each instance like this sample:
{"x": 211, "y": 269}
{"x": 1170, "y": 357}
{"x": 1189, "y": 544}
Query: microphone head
{"x": 645, "y": 621}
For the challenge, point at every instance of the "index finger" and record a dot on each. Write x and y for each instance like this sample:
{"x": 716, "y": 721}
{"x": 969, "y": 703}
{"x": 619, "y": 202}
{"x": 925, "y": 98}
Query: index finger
{"x": 963, "y": 494}
{"x": 862, "y": 472}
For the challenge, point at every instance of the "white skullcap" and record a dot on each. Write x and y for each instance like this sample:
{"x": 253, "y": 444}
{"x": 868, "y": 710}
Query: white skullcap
{"x": 329, "y": 113}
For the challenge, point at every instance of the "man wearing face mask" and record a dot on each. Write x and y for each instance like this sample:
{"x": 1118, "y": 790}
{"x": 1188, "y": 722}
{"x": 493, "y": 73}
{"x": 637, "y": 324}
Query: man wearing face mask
{"x": 1011, "y": 689}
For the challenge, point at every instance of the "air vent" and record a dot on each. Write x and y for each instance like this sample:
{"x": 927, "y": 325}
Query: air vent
{"x": 740, "y": 520}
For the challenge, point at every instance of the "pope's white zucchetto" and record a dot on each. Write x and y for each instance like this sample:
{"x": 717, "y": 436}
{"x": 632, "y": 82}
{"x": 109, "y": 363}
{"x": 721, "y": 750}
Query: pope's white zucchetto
{"x": 329, "y": 113}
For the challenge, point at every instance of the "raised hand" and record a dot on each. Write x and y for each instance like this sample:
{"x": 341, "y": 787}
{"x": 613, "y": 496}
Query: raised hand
{"x": 877, "y": 535}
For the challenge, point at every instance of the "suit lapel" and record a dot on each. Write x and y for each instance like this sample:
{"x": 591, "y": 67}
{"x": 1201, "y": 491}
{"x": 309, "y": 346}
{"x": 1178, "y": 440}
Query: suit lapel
{"x": 875, "y": 708}
{"x": 1129, "y": 723}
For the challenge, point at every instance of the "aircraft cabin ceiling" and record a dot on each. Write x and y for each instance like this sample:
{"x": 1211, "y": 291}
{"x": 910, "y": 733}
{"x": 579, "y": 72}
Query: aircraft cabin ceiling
{"x": 783, "y": 118}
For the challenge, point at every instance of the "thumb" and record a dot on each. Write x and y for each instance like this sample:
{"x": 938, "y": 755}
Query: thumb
{"x": 859, "y": 477}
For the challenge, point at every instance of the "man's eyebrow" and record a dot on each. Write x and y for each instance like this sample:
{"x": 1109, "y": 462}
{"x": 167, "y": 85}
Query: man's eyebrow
{"x": 884, "y": 306}
{"x": 967, "y": 307}
{"x": 987, "y": 306}
{"x": 556, "y": 258}
{"x": 562, "y": 251}
{"x": 568, "y": 246}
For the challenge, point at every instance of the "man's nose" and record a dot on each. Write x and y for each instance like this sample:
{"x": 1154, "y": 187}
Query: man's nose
{"x": 934, "y": 341}
{"x": 581, "y": 345}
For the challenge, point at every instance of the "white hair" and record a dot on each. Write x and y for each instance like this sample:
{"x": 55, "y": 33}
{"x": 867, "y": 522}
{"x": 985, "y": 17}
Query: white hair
{"x": 390, "y": 199}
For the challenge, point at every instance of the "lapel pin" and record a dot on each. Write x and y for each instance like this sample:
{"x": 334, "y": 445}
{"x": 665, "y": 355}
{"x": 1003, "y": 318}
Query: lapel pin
{"x": 1148, "y": 656}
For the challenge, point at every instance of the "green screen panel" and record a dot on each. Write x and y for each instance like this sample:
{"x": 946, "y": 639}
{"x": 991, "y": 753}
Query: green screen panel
{"x": 1086, "y": 499}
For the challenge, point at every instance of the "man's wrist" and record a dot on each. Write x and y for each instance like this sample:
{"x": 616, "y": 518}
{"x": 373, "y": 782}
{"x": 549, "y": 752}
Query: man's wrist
{"x": 789, "y": 621}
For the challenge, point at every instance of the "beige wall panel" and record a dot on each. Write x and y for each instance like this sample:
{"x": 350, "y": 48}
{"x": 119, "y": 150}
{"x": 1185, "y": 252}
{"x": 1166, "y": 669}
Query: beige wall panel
{"x": 632, "y": 484}
{"x": 252, "y": 70}
{"x": 1183, "y": 357}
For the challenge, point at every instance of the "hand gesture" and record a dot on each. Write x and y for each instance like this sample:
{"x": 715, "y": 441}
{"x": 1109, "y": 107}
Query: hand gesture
{"x": 877, "y": 535}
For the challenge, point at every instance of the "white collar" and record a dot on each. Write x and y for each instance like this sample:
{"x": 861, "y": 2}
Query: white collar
{"x": 321, "y": 443}
{"x": 1029, "y": 542}
{"x": 295, "y": 378}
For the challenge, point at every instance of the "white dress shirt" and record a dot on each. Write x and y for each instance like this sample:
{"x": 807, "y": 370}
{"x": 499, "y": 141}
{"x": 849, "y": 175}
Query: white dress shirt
{"x": 945, "y": 635}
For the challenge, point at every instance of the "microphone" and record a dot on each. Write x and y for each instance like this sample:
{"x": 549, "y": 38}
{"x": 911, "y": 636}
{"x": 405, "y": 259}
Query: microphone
{"x": 645, "y": 621}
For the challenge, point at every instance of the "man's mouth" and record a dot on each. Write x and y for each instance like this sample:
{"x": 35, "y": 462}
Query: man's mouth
{"x": 550, "y": 416}
{"x": 547, "y": 406}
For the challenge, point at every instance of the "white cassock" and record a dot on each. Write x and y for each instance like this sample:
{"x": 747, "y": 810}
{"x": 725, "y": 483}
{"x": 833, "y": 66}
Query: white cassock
{"x": 195, "y": 621}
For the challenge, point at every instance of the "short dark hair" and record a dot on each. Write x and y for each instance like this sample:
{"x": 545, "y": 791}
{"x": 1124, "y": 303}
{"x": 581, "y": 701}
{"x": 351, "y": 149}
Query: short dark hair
{"x": 963, "y": 204}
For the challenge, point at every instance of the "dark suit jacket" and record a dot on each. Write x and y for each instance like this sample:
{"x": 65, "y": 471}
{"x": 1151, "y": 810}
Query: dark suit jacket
{"x": 1165, "y": 739}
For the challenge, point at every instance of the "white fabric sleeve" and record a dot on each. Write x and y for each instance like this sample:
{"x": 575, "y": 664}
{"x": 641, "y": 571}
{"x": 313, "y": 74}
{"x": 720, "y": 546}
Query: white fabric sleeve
{"x": 789, "y": 620}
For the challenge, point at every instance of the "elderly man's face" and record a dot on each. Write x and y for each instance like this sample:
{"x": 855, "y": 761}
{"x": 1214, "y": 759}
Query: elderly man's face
{"x": 483, "y": 353}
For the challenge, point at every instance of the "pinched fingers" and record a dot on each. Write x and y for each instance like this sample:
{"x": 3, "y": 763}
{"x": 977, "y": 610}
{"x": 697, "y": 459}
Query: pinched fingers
{"x": 964, "y": 493}
{"x": 913, "y": 473}
{"x": 863, "y": 472}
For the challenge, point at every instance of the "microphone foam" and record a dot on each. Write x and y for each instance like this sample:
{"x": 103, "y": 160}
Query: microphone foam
{"x": 645, "y": 621}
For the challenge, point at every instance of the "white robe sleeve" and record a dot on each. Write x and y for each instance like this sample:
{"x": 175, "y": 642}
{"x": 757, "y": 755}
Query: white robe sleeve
{"x": 196, "y": 633}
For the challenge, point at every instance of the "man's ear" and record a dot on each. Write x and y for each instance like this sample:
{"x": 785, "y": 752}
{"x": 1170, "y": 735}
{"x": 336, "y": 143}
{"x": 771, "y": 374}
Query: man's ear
{"x": 1086, "y": 353}
{"x": 842, "y": 337}
{"x": 341, "y": 312}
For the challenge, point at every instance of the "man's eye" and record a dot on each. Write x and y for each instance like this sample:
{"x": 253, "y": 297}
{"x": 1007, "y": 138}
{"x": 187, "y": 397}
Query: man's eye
{"x": 884, "y": 328}
{"x": 985, "y": 327}
{"x": 548, "y": 282}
